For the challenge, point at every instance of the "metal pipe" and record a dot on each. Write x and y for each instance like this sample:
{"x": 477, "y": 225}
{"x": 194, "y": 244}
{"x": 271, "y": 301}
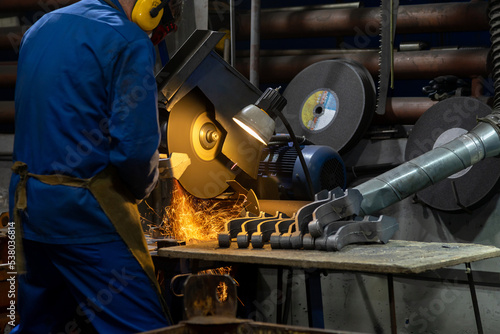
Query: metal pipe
{"x": 255, "y": 42}
{"x": 45, "y": 5}
{"x": 481, "y": 142}
{"x": 407, "y": 65}
{"x": 432, "y": 17}
{"x": 7, "y": 112}
{"x": 433, "y": 166}
{"x": 10, "y": 37}
{"x": 8, "y": 74}
{"x": 312, "y": 7}
{"x": 403, "y": 110}
{"x": 232, "y": 23}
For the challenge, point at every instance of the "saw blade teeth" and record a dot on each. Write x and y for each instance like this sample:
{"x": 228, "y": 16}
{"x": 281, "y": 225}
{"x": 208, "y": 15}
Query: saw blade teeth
{"x": 385, "y": 48}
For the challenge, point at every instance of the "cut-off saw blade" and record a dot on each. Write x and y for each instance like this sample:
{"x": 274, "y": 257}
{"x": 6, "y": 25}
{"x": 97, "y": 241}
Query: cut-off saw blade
{"x": 388, "y": 17}
{"x": 193, "y": 130}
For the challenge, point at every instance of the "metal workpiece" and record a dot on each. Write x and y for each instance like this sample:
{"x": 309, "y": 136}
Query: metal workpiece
{"x": 320, "y": 242}
{"x": 249, "y": 227}
{"x": 342, "y": 205}
{"x": 370, "y": 229}
{"x": 266, "y": 228}
{"x": 281, "y": 227}
{"x": 231, "y": 230}
{"x": 336, "y": 235}
{"x": 334, "y": 224}
{"x": 293, "y": 238}
{"x": 481, "y": 142}
{"x": 242, "y": 229}
{"x": 305, "y": 215}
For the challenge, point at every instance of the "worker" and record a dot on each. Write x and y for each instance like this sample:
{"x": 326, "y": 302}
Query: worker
{"x": 85, "y": 153}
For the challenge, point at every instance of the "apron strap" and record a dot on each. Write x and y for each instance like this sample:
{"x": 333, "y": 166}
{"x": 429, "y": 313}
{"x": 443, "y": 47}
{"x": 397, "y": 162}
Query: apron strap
{"x": 116, "y": 201}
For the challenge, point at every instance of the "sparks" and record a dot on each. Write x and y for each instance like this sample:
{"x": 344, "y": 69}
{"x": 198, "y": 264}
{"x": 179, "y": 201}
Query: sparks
{"x": 191, "y": 219}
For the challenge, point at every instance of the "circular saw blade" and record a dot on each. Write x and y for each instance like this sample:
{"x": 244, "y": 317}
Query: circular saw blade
{"x": 187, "y": 133}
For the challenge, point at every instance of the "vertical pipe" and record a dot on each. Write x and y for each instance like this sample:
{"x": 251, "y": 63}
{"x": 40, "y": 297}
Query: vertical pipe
{"x": 392, "y": 304}
{"x": 477, "y": 86}
{"x": 255, "y": 42}
{"x": 473, "y": 294}
{"x": 232, "y": 23}
{"x": 227, "y": 50}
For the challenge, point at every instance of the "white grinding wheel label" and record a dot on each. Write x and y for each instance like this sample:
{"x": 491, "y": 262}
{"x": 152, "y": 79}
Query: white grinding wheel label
{"x": 319, "y": 110}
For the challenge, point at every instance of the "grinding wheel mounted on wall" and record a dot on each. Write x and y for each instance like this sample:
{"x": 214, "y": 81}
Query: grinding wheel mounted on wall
{"x": 330, "y": 103}
{"x": 439, "y": 125}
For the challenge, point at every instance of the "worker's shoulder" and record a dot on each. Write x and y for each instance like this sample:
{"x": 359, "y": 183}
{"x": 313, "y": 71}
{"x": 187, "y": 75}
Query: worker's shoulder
{"x": 103, "y": 18}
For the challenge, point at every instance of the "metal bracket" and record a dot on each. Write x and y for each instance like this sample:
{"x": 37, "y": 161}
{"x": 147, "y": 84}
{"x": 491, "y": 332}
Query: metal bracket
{"x": 342, "y": 205}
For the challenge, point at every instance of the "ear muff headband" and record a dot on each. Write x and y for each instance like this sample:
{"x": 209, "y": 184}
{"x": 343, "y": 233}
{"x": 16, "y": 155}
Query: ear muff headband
{"x": 144, "y": 15}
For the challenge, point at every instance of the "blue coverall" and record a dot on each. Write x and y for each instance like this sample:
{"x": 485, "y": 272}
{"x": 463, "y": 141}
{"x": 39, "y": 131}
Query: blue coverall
{"x": 85, "y": 99}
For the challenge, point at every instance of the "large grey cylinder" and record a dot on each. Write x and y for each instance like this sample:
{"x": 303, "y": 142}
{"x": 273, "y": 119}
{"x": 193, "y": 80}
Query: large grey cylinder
{"x": 481, "y": 142}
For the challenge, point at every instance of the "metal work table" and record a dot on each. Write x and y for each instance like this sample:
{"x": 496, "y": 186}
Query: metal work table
{"x": 394, "y": 258}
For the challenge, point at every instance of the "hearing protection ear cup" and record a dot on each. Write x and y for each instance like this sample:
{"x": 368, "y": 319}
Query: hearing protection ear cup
{"x": 142, "y": 17}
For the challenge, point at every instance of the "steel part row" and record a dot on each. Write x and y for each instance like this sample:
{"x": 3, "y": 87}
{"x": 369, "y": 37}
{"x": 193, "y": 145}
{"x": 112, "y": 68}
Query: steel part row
{"x": 336, "y": 235}
{"x": 254, "y": 230}
{"x": 328, "y": 223}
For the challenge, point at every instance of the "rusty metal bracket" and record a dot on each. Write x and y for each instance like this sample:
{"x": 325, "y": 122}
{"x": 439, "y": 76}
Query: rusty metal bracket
{"x": 231, "y": 230}
{"x": 283, "y": 226}
{"x": 342, "y": 205}
{"x": 249, "y": 227}
{"x": 265, "y": 229}
{"x": 368, "y": 229}
{"x": 303, "y": 217}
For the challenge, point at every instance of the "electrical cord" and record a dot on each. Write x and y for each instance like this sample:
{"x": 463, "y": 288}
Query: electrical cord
{"x": 299, "y": 153}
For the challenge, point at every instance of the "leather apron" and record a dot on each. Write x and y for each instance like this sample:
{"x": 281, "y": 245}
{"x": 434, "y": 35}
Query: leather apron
{"x": 115, "y": 200}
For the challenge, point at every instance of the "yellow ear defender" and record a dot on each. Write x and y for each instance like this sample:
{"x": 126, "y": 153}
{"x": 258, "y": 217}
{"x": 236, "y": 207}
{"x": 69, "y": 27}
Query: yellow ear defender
{"x": 147, "y": 14}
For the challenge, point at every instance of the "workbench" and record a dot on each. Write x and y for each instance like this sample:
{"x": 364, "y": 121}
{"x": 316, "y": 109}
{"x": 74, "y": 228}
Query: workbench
{"x": 395, "y": 257}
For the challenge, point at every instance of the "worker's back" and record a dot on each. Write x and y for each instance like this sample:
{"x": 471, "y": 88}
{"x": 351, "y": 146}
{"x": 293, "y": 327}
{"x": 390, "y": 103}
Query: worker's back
{"x": 76, "y": 112}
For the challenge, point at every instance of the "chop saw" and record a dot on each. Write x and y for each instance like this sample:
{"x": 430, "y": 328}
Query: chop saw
{"x": 209, "y": 154}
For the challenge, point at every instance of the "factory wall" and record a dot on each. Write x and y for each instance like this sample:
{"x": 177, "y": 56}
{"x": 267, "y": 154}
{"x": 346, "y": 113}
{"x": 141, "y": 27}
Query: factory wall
{"x": 438, "y": 302}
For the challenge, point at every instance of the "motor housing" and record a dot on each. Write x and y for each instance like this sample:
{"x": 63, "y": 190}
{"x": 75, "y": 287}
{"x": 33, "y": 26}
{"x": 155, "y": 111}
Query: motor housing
{"x": 281, "y": 175}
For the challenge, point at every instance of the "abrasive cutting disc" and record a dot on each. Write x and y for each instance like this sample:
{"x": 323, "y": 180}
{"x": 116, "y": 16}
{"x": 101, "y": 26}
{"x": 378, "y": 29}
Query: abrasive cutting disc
{"x": 330, "y": 103}
{"x": 439, "y": 125}
{"x": 193, "y": 130}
